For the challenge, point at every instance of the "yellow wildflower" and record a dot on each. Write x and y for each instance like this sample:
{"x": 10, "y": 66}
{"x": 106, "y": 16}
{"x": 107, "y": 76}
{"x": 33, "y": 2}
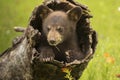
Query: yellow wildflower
{"x": 109, "y": 58}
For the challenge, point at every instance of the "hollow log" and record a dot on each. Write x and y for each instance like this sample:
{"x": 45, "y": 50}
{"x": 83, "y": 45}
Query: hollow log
{"x": 21, "y": 61}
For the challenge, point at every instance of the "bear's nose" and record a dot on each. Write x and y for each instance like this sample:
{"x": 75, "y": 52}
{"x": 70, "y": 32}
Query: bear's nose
{"x": 52, "y": 41}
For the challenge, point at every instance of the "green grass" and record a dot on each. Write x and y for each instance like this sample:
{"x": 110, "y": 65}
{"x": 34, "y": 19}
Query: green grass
{"x": 106, "y": 22}
{"x": 13, "y": 13}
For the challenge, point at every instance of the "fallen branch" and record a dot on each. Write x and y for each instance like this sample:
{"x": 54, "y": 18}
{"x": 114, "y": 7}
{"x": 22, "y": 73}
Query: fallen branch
{"x": 19, "y": 29}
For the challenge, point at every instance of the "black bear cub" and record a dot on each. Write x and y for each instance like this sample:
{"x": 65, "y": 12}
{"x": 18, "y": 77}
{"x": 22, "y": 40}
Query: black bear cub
{"x": 59, "y": 29}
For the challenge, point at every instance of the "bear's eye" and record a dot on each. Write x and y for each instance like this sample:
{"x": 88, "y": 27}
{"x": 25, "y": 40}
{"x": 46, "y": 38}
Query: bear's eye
{"x": 59, "y": 28}
{"x": 48, "y": 28}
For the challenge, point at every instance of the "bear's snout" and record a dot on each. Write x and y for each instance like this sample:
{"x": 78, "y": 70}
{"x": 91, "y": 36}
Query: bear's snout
{"x": 52, "y": 41}
{"x": 54, "y": 38}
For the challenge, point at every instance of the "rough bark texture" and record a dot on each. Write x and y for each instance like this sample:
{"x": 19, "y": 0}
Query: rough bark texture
{"x": 15, "y": 62}
{"x": 21, "y": 61}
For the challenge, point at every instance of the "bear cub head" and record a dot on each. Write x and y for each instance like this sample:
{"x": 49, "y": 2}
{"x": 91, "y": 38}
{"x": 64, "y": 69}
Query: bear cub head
{"x": 59, "y": 26}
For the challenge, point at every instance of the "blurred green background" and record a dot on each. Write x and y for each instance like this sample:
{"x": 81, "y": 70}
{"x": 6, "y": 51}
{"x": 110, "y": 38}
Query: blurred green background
{"x": 14, "y": 13}
{"x": 106, "y": 21}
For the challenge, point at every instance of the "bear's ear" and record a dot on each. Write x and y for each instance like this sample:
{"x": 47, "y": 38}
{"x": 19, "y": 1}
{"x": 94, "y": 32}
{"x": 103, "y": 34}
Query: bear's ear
{"x": 44, "y": 11}
{"x": 75, "y": 13}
